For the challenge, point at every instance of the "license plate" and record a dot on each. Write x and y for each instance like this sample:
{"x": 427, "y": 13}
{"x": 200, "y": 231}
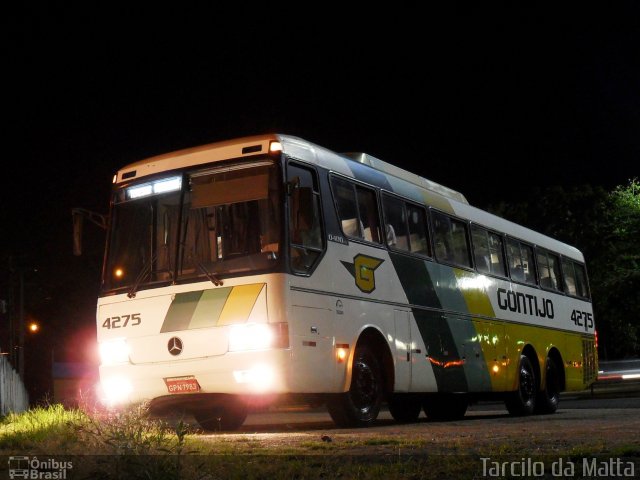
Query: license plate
{"x": 182, "y": 385}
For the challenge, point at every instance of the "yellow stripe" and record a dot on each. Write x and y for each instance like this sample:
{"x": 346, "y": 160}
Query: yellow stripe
{"x": 240, "y": 303}
{"x": 474, "y": 293}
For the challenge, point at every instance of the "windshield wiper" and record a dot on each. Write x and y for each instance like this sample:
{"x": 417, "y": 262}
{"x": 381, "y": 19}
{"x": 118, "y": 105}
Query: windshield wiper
{"x": 146, "y": 270}
{"x": 210, "y": 275}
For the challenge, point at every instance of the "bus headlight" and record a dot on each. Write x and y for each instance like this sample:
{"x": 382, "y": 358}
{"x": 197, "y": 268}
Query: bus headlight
{"x": 258, "y": 336}
{"x": 114, "y": 351}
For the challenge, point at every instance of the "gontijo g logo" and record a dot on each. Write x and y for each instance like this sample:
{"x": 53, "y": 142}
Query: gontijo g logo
{"x": 362, "y": 269}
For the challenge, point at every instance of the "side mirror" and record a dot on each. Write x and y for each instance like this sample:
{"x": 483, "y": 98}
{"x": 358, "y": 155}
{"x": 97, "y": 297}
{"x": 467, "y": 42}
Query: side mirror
{"x": 78, "y": 215}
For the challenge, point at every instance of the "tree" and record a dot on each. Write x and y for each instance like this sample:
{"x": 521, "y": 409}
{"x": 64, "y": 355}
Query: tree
{"x": 605, "y": 226}
{"x": 616, "y": 273}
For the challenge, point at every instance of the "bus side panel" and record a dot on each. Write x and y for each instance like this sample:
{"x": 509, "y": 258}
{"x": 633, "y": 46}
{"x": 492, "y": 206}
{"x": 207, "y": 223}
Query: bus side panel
{"x": 311, "y": 326}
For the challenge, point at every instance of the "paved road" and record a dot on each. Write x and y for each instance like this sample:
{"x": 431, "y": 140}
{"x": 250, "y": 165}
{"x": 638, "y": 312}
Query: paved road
{"x": 571, "y": 406}
{"x": 584, "y": 425}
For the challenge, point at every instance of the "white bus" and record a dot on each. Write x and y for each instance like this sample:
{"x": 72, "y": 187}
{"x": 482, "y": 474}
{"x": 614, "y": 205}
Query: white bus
{"x": 270, "y": 269}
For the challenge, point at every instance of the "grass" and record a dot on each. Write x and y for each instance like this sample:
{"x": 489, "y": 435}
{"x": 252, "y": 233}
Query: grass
{"x": 131, "y": 444}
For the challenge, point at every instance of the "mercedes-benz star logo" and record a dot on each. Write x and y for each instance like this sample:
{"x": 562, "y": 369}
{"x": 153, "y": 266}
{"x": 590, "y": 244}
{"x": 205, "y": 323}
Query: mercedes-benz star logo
{"x": 175, "y": 346}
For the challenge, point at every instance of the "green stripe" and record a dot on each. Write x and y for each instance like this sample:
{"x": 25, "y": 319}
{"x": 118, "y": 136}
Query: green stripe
{"x": 209, "y": 308}
{"x": 181, "y": 311}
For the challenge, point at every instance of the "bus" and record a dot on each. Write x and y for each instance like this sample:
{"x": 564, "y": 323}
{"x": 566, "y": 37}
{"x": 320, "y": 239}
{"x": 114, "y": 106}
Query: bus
{"x": 267, "y": 269}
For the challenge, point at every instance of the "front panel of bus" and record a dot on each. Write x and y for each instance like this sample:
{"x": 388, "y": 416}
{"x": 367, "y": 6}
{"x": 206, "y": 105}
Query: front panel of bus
{"x": 193, "y": 284}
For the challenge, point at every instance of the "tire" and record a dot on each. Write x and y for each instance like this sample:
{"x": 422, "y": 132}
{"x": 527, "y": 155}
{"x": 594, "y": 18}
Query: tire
{"x": 445, "y": 406}
{"x": 405, "y": 408}
{"x": 548, "y": 399}
{"x": 227, "y": 416}
{"x": 523, "y": 400}
{"x": 359, "y": 407}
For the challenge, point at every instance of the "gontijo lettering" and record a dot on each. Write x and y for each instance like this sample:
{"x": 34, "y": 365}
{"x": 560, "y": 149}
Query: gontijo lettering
{"x": 525, "y": 303}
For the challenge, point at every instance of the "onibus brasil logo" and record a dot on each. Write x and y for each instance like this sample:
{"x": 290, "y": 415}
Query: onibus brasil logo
{"x": 362, "y": 269}
{"x": 32, "y": 467}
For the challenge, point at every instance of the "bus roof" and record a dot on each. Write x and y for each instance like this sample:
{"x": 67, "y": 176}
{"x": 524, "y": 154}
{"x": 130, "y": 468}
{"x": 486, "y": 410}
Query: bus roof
{"x": 259, "y": 144}
{"x": 342, "y": 163}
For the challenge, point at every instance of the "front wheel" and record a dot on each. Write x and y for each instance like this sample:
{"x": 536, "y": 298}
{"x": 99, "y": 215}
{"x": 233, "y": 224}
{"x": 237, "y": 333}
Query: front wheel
{"x": 359, "y": 407}
{"x": 523, "y": 400}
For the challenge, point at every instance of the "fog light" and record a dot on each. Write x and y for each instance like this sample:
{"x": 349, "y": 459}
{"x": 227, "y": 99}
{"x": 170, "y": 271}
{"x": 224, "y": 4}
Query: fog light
{"x": 260, "y": 377}
{"x": 114, "y": 390}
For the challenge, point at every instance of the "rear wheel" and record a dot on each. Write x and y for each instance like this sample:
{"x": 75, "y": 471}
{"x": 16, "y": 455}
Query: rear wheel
{"x": 446, "y": 406}
{"x": 548, "y": 399}
{"x": 359, "y": 407}
{"x": 523, "y": 400}
{"x": 405, "y": 408}
{"x": 229, "y": 415}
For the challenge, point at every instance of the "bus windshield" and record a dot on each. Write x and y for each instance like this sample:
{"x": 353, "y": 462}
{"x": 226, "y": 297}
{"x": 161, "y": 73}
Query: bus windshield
{"x": 224, "y": 220}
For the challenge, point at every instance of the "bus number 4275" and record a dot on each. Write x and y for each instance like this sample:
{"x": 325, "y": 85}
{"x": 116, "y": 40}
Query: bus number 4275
{"x": 121, "y": 322}
{"x": 582, "y": 319}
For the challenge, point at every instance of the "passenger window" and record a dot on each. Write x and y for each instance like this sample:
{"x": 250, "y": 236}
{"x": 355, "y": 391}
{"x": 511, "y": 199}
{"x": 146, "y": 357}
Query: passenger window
{"x": 496, "y": 248}
{"x": 418, "y": 239}
{"x": 569, "y": 277}
{"x": 357, "y": 209}
{"x": 515, "y": 260}
{"x": 450, "y": 237}
{"x": 368, "y": 214}
{"x": 582, "y": 287}
{"x": 521, "y": 263}
{"x": 345, "y": 196}
{"x": 528, "y": 264}
{"x": 396, "y": 223}
{"x": 549, "y": 270}
{"x": 487, "y": 251}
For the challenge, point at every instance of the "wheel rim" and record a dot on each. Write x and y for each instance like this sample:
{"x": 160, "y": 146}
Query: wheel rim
{"x": 527, "y": 388}
{"x": 364, "y": 386}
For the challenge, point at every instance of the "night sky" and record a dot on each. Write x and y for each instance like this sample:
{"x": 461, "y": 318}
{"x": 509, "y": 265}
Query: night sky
{"x": 488, "y": 102}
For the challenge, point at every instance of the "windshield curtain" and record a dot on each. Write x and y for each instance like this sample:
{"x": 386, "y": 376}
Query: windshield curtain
{"x": 228, "y": 223}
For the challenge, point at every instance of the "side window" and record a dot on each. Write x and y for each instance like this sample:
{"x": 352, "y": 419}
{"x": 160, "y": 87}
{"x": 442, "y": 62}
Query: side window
{"x": 418, "y": 239}
{"x": 368, "y": 214}
{"x": 496, "y": 248}
{"x": 554, "y": 270}
{"x": 569, "y": 277}
{"x": 575, "y": 278}
{"x": 345, "y": 196}
{"x": 582, "y": 287}
{"x": 521, "y": 263}
{"x": 528, "y": 264}
{"x": 406, "y": 226}
{"x": 395, "y": 223}
{"x": 549, "y": 270}
{"x": 515, "y": 260}
{"x": 450, "y": 238}
{"x": 305, "y": 220}
{"x": 543, "y": 269}
{"x": 357, "y": 210}
{"x": 487, "y": 251}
